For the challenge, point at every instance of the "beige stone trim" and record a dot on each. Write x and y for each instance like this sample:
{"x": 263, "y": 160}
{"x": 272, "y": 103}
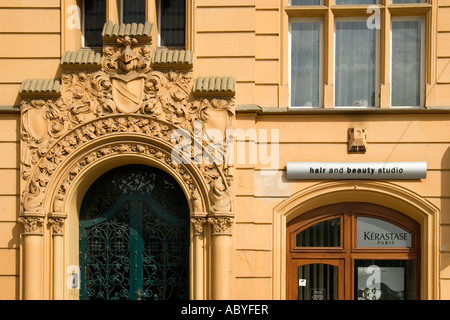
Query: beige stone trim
{"x": 199, "y": 257}
{"x": 32, "y": 254}
{"x": 198, "y": 224}
{"x": 123, "y": 113}
{"x": 33, "y": 223}
{"x": 57, "y": 221}
{"x": 221, "y": 250}
{"x": 382, "y": 193}
{"x": 221, "y": 225}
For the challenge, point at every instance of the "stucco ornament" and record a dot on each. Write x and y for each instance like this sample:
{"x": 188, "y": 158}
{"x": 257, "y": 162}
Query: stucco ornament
{"x": 124, "y": 99}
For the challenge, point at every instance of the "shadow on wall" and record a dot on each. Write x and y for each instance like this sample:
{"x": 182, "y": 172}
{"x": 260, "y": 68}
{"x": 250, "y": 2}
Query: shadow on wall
{"x": 444, "y": 220}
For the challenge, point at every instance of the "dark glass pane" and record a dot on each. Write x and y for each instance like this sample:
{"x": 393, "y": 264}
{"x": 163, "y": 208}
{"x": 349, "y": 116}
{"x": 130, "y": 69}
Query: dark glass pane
{"x": 384, "y": 280}
{"x": 94, "y": 20}
{"x": 322, "y": 234}
{"x": 173, "y": 22}
{"x": 317, "y": 282}
{"x": 133, "y": 11}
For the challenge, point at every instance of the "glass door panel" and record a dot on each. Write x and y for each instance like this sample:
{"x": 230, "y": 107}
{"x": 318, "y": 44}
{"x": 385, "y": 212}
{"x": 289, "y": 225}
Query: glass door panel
{"x": 318, "y": 280}
{"x": 384, "y": 280}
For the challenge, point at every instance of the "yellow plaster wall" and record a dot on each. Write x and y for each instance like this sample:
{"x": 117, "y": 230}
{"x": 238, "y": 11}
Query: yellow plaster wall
{"x": 9, "y": 204}
{"x": 245, "y": 39}
{"x": 30, "y": 32}
{"x": 440, "y": 94}
{"x": 31, "y": 48}
{"x": 324, "y": 138}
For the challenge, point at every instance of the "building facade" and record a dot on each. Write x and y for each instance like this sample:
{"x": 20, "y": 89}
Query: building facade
{"x": 225, "y": 149}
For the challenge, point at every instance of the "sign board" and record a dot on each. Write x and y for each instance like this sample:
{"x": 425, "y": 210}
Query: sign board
{"x": 376, "y": 233}
{"x": 357, "y": 170}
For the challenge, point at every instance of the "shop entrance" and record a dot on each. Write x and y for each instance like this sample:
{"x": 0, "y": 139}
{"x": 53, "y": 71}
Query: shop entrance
{"x": 353, "y": 251}
{"x": 134, "y": 237}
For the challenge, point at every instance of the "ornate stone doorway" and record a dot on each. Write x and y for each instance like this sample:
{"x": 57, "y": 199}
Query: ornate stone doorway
{"x": 134, "y": 237}
{"x": 125, "y": 105}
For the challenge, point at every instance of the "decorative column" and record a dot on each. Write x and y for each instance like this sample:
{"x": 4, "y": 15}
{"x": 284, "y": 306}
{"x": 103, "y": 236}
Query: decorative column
{"x": 198, "y": 224}
{"x": 221, "y": 256}
{"x": 32, "y": 255}
{"x": 57, "y": 220}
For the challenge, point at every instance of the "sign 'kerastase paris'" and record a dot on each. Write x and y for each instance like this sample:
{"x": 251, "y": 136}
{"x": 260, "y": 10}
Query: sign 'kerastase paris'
{"x": 357, "y": 170}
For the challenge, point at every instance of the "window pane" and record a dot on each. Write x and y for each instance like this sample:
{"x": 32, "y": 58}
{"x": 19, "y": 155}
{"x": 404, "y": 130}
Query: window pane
{"x": 94, "y": 20}
{"x": 322, "y": 234}
{"x": 408, "y": 1}
{"x": 318, "y": 282}
{"x": 305, "y": 2}
{"x": 406, "y": 63}
{"x": 378, "y": 233}
{"x": 355, "y": 64}
{"x": 384, "y": 280}
{"x": 305, "y": 63}
{"x": 172, "y": 22}
{"x": 133, "y": 11}
{"x": 356, "y": 1}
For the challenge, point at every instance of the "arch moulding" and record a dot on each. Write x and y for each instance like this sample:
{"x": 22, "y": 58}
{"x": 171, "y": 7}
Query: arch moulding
{"x": 122, "y": 109}
{"x": 376, "y": 192}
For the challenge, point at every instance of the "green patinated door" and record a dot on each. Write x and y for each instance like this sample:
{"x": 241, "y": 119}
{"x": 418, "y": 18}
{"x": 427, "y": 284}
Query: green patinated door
{"x": 134, "y": 237}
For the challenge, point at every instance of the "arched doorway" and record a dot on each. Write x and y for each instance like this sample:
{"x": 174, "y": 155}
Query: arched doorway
{"x": 358, "y": 251}
{"x": 134, "y": 236}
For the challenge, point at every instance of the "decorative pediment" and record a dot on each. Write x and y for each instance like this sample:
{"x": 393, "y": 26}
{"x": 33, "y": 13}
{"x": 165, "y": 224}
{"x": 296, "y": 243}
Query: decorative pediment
{"x": 127, "y": 91}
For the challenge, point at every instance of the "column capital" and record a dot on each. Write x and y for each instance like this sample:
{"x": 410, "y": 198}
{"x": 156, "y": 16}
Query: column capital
{"x": 33, "y": 223}
{"x": 56, "y": 220}
{"x": 198, "y": 223}
{"x": 221, "y": 225}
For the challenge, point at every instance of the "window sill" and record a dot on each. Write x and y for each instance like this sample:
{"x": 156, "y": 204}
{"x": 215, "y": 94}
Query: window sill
{"x": 338, "y": 111}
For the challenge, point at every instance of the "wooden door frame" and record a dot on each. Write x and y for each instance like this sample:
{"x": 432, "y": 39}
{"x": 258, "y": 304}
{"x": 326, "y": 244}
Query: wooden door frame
{"x": 348, "y": 250}
{"x": 292, "y": 287}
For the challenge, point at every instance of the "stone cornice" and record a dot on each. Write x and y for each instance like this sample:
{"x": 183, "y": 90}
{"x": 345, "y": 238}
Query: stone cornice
{"x": 40, "y": 88}
{"x": 112, "y": 31}
{"x": 214, "y": 86}
{"x": 81, "y": 59}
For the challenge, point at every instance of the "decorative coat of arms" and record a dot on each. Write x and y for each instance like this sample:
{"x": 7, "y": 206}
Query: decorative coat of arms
{"x": 124, "y": 94}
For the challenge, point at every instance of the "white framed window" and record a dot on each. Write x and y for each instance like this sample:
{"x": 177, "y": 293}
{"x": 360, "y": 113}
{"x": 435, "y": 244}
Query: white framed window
{"x": 171, "y": 20}
{"x": 356, "y": 63}
{"x": 407, "y": 61}
{"x": 172, "y": 23}
{"x": 306, "y": 62}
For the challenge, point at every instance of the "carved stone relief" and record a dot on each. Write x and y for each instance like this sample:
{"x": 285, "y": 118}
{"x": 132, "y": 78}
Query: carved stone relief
{"x": 126, "y": 97}
{"x": 221, "y": 225}
{"x": 198, "y": 224}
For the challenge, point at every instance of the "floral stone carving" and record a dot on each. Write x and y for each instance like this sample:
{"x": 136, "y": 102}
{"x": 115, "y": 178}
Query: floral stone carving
{"x": 125, "y": 98}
